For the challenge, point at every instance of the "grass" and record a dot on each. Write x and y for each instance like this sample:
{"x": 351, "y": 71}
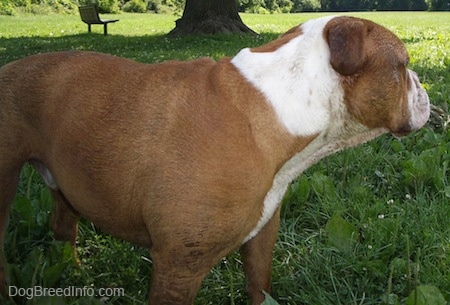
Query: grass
{"x": 392, "y": 194}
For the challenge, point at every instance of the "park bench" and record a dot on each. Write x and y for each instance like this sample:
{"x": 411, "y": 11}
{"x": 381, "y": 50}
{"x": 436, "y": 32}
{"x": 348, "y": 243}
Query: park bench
{"x": 89, "y": 15}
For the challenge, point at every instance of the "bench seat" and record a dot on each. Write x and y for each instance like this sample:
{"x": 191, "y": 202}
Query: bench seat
{"x": 89, "y": 15}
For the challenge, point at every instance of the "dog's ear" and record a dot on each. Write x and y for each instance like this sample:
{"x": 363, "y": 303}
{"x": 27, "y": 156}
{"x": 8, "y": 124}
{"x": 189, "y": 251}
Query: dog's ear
{"x": 346, "y": 37}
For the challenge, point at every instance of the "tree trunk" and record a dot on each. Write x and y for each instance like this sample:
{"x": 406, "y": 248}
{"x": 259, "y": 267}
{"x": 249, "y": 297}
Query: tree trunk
{"x": 210, "y": 17}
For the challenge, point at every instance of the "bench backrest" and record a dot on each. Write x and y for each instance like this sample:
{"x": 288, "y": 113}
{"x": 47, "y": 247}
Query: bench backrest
{"x": 89, "y": 14}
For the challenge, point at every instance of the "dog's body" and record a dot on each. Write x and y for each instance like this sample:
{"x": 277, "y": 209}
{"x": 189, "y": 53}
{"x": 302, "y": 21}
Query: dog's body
{"x": 191, "y": 159}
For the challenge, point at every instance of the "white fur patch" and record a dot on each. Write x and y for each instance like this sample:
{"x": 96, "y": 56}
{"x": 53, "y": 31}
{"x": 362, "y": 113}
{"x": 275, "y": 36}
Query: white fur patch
{"x": 418, "y": 102}
{"x": 315, "y": 151}
{"x": 297, "y": 79}
{"x": 305, "y": 92}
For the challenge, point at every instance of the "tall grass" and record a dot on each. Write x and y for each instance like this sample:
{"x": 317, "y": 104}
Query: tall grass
{"x": 394, "y": 194}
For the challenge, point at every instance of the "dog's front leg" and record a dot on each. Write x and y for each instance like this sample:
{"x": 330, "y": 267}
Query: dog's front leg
{"x": 176, "y": 277}
{"x": 257, "y": 259}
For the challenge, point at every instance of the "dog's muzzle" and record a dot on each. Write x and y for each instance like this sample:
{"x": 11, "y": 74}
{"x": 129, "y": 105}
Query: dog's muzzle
{"x": 418, "y": 102}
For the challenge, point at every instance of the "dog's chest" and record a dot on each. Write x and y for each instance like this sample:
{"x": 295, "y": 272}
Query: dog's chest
{"x": 288, "y": 172}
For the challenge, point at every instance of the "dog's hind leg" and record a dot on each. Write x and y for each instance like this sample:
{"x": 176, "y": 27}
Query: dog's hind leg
{"x": 64, "y": 219}
{"x": 9, "y": 177}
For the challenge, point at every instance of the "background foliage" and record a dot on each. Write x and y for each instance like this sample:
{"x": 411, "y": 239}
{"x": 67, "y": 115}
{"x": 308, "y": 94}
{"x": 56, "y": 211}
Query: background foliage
{"x": 10, "y": 7}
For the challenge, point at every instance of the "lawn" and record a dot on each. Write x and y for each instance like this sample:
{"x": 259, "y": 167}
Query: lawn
{"x": 391, "y": 196}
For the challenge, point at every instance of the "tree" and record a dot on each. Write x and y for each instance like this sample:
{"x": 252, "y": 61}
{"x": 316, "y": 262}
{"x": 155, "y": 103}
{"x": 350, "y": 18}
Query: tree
{"x": 438, "y": 5}
{"x": 210, "y": 17}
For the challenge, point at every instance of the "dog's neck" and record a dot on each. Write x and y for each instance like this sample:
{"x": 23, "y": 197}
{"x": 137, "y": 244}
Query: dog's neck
{"x": 307, "y": 97}
{"x": 296, "y": 79}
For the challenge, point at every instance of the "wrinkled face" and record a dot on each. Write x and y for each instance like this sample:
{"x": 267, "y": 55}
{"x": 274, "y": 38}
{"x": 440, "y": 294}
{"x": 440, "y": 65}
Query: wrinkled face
{"x": 380, "y": 91}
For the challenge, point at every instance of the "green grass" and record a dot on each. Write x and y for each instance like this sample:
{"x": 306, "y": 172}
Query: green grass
{"x": 394, "y": 195}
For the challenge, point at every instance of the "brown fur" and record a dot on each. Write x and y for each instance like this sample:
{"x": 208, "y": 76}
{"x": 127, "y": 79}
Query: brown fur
{"x": 281, "y": 41}
{"x": 116, "y": 121}
{"x": 369, "y": 57}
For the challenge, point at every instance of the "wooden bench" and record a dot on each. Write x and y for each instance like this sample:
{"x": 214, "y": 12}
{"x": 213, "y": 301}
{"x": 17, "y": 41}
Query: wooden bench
{"x": 89, "y": 15}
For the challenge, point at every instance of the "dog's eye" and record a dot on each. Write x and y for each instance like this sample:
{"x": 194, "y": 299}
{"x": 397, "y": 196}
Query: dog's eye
{"x": 403, "y": 63}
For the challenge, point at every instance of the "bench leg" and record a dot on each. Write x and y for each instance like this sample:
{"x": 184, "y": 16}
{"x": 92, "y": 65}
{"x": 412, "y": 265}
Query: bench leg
{"x": 89, "y": 28}
{"x": 105, "y": 29}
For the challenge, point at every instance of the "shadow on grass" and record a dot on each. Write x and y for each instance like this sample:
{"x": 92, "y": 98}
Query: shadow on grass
{"x": 158, "y": 48}
{"x": 149, "y": 48}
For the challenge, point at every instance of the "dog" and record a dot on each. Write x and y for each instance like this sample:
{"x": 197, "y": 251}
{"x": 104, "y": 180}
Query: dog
{"x": 192, "y": 159}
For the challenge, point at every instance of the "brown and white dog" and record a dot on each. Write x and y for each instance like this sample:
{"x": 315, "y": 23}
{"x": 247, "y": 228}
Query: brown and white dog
{"x": 191, "y": 159}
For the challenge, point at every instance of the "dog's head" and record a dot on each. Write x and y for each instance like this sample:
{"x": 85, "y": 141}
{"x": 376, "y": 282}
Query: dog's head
{"x": 380, "y": 91}
{"x": 337, "y": 71}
